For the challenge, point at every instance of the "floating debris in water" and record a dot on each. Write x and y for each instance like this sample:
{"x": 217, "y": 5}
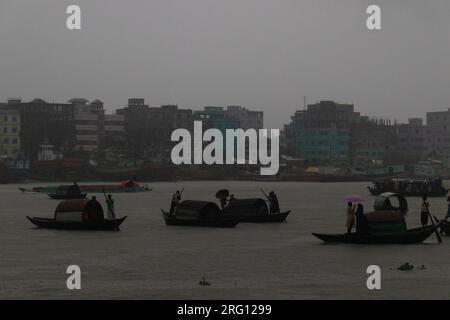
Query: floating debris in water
{"x": 203, "y": 282}
{"x": 406, "y": 267}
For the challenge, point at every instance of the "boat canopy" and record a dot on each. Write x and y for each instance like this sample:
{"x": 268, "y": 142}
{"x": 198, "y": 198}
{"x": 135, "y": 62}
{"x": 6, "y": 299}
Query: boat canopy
{"x": 191, "y": 209}
{"x": 384, "y": 202}
{"x": 255, "y": 206}
{"x": 77, "y": 210}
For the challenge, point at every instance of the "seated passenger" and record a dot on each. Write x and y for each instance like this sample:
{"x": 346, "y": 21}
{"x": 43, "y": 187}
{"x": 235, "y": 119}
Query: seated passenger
{"x": 94, "y": 210}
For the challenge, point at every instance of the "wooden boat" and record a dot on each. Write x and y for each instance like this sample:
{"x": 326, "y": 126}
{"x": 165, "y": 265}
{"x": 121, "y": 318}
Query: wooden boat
{"x": 172, "y": 220}
{"x": 407, "y": 188}
{"x": 106, "y": 224}
{"x": 417, "y": 235}
{"x": 67, "y": 196}
{"x": 81, "y": 214}
{"x": 93, "y": 188}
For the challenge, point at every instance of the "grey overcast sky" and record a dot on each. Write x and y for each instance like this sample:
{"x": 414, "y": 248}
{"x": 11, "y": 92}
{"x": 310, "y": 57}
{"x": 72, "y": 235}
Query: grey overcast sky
{"x": 265, "y": 54}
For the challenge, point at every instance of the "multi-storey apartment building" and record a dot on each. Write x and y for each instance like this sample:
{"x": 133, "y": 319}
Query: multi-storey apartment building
{"x": 322, "y": 131}
{"x": 9, "y": 133}
{"x": 149, "y": 129}
{"x": 247, "y": 118}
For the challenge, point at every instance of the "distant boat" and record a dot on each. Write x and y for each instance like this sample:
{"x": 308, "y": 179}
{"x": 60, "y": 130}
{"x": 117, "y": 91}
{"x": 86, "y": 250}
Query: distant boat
{"x": 93, "y": 188}
{"x": 407, "y": 188}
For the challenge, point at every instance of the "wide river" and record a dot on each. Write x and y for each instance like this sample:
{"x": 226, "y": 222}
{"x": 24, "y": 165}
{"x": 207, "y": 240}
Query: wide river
{"x": 149, "y": 260}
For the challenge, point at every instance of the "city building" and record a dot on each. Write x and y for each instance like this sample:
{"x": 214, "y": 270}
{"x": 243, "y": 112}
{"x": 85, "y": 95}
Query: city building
{"x": 42, "y": 121}
{"x": 113, "y": 136}
{"x": 9, "y": 133}
{"x": 370, "y": 141}
{"x": 148, "y": 129}
{"x": 411, "y": 141}
{"x": 438, "y": 134}
{"x": 247, "y": 118}
{"x": 322, "y": 131}
{"x": 215, "y": 117}
{"x": 88, "y": 122}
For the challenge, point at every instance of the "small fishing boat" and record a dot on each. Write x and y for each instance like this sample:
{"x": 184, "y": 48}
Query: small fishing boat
{"x": 105, "y": 224}
{"x": 199, "y": 214}
{"x": 59, "y": 196}
{"x": 386, "y": 225}
{"x": 412, "y": 236}
{"x": 78, "y": 215}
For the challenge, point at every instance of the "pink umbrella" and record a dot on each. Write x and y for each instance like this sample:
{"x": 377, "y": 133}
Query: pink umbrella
{"x": 355, "y": 198}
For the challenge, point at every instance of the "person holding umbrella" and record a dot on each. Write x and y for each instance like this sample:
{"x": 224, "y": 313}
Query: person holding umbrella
{"x": 222, "y": 195}
{"x": 351, "y": 213}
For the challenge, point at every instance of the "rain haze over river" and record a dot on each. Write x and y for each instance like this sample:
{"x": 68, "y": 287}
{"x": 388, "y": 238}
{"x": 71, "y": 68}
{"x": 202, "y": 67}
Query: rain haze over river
{"x": 149, "y": 260}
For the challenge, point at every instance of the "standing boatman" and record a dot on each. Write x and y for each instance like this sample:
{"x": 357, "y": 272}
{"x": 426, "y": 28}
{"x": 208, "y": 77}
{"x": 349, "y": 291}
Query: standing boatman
{"x": 176, "y": 198}
{"x": 110, "y": 205}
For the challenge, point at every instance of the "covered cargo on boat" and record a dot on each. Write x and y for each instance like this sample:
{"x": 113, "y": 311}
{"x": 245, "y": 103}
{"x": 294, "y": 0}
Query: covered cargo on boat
{"x": 191, "y": 209}
{"x": 389, "y": 215}
{"x": 386, "y": 221}
{"x": 389, "y": 201}
{"x": 252, "y": 207}
{"x": 78, "y": 210}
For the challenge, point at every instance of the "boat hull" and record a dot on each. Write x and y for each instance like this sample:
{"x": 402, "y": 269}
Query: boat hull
{"x": 412, "y": 236}
{"x": 267, "y": 218}
{"x": 105, "y": 225}
{"x": 171, "y": 220}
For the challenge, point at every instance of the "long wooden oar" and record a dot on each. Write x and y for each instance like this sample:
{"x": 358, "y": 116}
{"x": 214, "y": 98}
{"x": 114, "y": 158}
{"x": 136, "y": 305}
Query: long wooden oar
{"x": 432, "y": 222}
{"x": 265, "y": 195}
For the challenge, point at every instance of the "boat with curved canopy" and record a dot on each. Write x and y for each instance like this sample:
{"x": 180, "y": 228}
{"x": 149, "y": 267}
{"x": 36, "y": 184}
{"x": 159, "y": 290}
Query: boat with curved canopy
{"x": 390, "y": 201}
{"x": 200, "y": 214}
{"x": 387, "y": 225}
{"x": 78, "y": 215}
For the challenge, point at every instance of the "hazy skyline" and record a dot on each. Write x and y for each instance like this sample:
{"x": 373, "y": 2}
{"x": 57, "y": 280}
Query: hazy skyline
{"x": 262, "y": 54}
